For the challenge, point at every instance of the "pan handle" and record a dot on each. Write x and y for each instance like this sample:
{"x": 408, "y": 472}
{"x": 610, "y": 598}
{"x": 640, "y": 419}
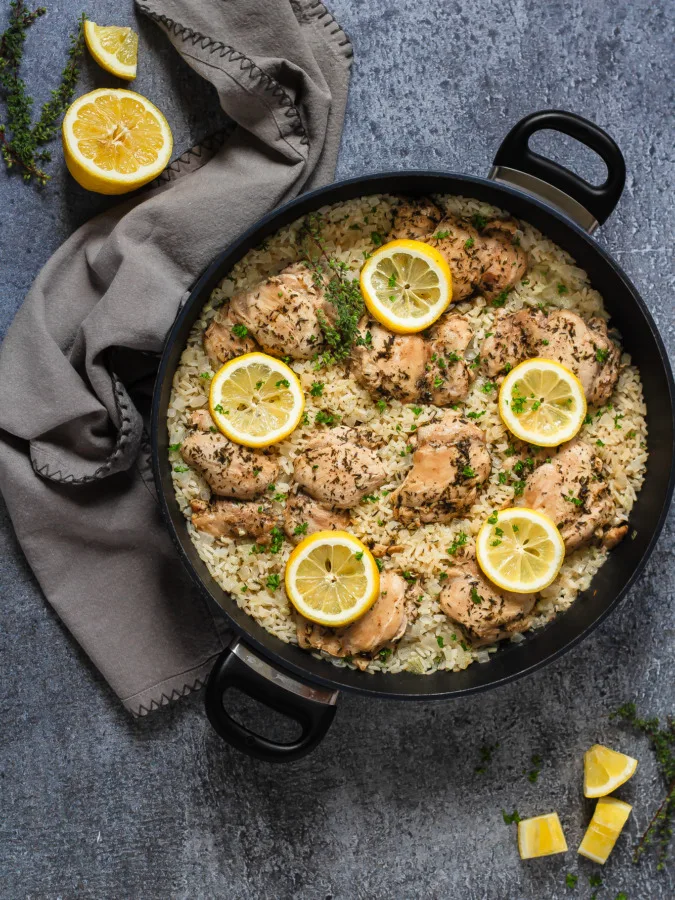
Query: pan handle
{"x": 311, "y": 706}
{"x": 587, "y": 204}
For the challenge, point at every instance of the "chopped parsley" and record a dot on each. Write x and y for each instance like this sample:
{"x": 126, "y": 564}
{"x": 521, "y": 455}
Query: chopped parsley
{"x": 440, "y": 640}
{"x": 316, "y": 389}
{"x": 475, "y": 596}
{"x": 518, "y": 488}
{"x": 495, "y": 543}
{"x": 494, "y": 517}
{"x": 601, "y": 355}
{"x": 385, "y": 653}
{"x": 174, "y": 447}
{"x": 488, "y": 387}
{"x": 459, "y": 541}
{"x": 381, "y": 405}
{"x": 545, "y": 342}
{"x": 500, "y": 299}
{"x": 181, "y": 468}
{"x": 512, "y": 818}
{"x": 359, "y": 555}
{"x": 258, "y": 385}
{"x": 379, "y": 564}
{"x": 284, "y": 382}
{"x": 468, "y": 244}
{"x": 443, "y": 576}
{"x": 562, "y": 289}
{"x": 479, "y": 222}
{"x": 325, "y": 418}
{"x": 576, "y": 500}
{"x": 301, "y": 529}
{"x": 502, "y": 477}
{"x": 440, "y": 235}
{"x": 391, "y": 281}
{"x": 616, "y": 420}
{"x": 376, "y": 238}
{"x": 600, "y": 443}
{"x": 409, "y": 577}
{"x": 475, "y": 415}
{"x": 468, "y": 472}
{"x": 207, "y": 376}
{"x": 240, "y": 331}
{"x": 277, "y": 539}
{"x": 273, "y": 581}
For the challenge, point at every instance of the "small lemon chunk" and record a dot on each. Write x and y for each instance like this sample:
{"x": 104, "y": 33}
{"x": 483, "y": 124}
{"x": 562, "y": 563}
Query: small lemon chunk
{"x": 605, "y": 827}
{"x": 406, "y": 285}
{"x": 541, "y": 836}
{"x": 114, "y": 48}
{"x": 605, "y": 770}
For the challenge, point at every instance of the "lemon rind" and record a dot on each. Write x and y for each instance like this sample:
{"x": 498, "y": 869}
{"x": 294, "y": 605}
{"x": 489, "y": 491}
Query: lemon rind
{"x": 334, "y": 537}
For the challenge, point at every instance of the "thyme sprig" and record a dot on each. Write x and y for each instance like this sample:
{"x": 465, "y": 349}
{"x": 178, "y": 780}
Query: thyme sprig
{"x": 659, "y": 830}
{"x": 341, "y": 291}
{"x": 20, "y": 140}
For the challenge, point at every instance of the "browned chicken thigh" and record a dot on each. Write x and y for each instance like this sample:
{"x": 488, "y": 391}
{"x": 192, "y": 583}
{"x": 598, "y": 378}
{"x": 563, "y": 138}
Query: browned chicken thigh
{"x": 383, "y": 625}
{"x": 484, "y": 611}
{"x": 229, "y": 518}
{"x": 572, "y": 492}
{"x": 337, "y": 468}
{"x": 225, "y": 338}
{"x": 450, "y": 463}
{"x": 303, "y": 515}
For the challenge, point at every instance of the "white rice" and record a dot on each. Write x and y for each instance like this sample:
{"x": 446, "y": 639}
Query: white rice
{"x": 432, "y": 641}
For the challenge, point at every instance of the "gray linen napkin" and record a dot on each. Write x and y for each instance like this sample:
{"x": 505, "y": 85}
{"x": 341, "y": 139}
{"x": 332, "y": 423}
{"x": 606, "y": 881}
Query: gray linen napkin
{"x": 76, "y": 365}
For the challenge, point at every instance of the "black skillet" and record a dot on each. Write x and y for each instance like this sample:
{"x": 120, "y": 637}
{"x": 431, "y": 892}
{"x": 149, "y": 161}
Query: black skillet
{"x": 565, "y": 208}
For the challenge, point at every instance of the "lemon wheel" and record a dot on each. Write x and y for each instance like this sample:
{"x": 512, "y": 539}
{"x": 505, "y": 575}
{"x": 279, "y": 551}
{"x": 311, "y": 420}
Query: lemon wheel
{"x": 520, "y": 550}
{"x": 542, "y": 402}
{"x": 115, "y": 141}
{"x": 541, "y": 836}
{"x": 114, "y": 48}
{"x": 256, "y": 400}
{"x": 605, "y": 770}
{"x": 406, "y": 285}
{"x": 332, "y": 578}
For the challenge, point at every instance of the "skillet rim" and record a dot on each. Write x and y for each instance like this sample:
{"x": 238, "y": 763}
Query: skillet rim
{"x": 306, "y": 666}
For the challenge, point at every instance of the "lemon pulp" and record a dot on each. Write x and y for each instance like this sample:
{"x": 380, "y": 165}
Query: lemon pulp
{"x": 113, "y": 47}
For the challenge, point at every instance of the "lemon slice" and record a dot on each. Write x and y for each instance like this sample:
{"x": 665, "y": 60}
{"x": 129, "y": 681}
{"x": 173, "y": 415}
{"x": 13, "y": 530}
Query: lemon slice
{"x": 605, "y": 770}
{"x": 332, "y": 578}
{"x": 406, "y": 285}
{"x": 256, "y": 400}
{"x": 541, "y": 836}
{"x": 605, "y": 827}
{"x": 520, "y": 550}
{"x": 115, "y": 140}
{"x": 115, "y": 49}
{"x": 542, "y": 402}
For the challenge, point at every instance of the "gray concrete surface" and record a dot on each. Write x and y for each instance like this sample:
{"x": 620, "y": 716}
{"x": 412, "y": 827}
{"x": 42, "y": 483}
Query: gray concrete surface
{"x": 95, "y": 805}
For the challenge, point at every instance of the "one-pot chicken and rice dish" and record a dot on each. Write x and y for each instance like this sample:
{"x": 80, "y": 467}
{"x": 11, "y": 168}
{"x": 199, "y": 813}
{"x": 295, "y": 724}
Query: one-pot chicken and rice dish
{"x": 403, "y": 430}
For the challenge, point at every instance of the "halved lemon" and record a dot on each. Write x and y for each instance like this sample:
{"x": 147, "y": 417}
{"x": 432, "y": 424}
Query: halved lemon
{"x": 604, "y": 828}
{"x": 541, "y": 836}
{"x": 256, "y": 400}
{"x": 115, "y": 140}
{"x": 332, "y": 578}
{"x": 605, "y": 770}
{"x": 520, "y": 550}
{"x": 542, "y": 402}
{"x": 114, "y": 48}
{"x": 406, "y": 285}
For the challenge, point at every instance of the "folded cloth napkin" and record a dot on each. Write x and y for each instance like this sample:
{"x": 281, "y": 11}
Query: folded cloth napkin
{"x": 77, "y": 361}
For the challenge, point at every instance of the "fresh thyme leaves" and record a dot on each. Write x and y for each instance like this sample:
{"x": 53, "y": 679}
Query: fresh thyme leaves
{"x": 533, "y": 774}
{"x": 510, "y": 818}
{"x": 571, "y": 880}
{"x": 20, "y": 141}
{"x": 662, "y": 738}
{"x": 341, "y": 291}
{"x": 485, "y": 757}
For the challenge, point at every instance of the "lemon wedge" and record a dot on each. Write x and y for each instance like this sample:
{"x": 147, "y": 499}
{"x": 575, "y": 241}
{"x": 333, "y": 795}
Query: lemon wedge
{"x": 541, "y": 836}
{"x": 256, "y": 400}
{"x": 605, "y": 827}
{"x": 115, "y": 140}
{"x": 406, "y": 285}
{"x": 332, "y": 578}
{"x": 542, "y": 402}
{"x": 520, "y": 550}
{"x": 114, "y": 48}
{"x": 605, "y": 770}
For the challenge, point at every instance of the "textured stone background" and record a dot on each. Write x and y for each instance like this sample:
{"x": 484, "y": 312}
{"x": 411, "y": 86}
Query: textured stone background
{"x": 95, "y": 805}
